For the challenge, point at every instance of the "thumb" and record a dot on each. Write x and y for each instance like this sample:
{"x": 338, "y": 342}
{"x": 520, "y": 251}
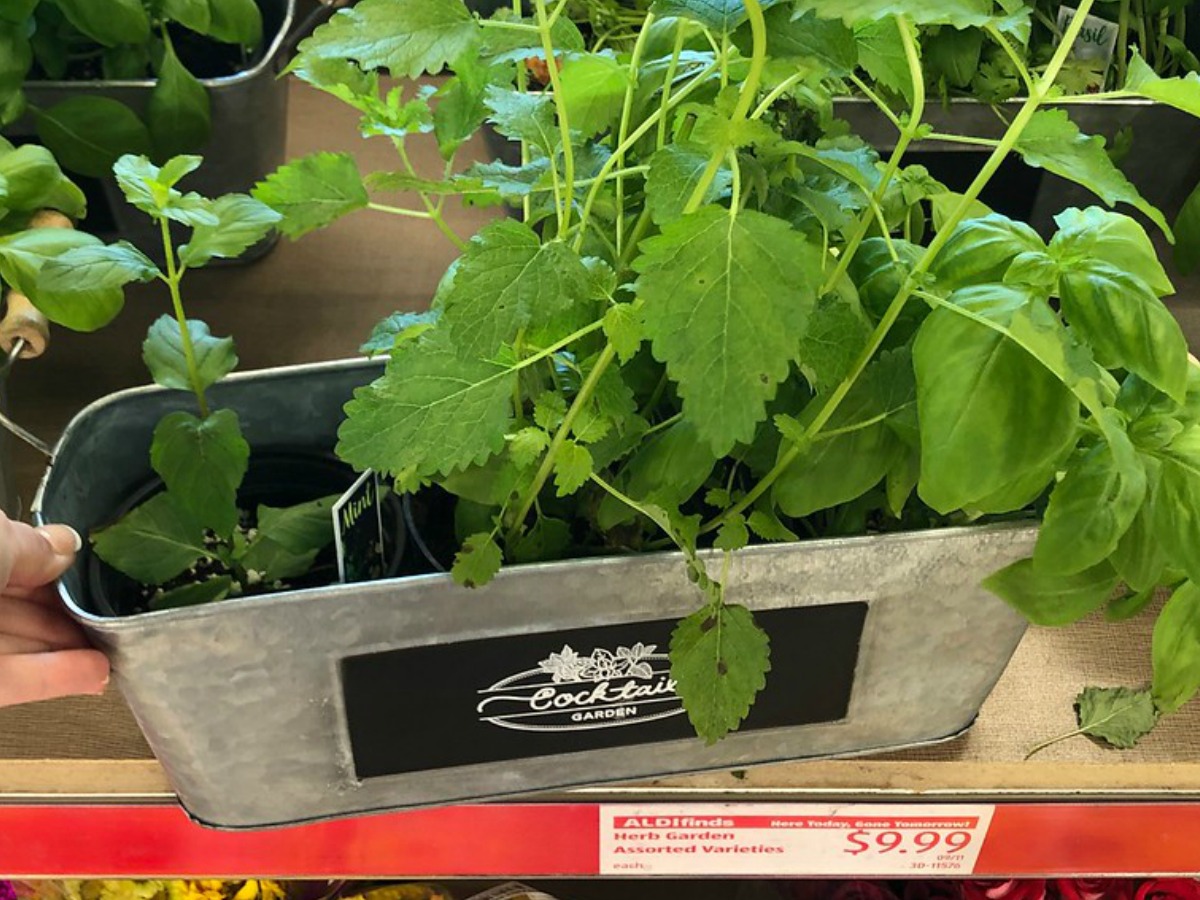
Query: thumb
{"x": 39, "y": 555}
{"x": 30, "y": 677}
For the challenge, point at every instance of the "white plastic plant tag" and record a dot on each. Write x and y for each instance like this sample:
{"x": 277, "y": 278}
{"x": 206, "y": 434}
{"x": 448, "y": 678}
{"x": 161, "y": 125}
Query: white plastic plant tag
{"x": 1093, "y": 50}
{"x": 358, "y": 530}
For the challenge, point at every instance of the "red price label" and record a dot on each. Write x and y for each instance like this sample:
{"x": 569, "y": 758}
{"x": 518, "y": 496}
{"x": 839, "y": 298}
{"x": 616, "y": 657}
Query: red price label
{"x": 862, "y": 841}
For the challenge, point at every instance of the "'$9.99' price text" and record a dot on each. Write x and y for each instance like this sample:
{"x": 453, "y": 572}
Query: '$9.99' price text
{"x": 862, "y": 841}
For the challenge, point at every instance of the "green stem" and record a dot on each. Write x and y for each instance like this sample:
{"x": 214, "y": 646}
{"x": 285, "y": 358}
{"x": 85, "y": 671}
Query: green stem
{"x": 603, "y": 361}
{"x": 623, "y": 132}
{"x": 998, "y": 36}
{"x": 398, "y": 211}
{"x": 564, "y": 124}
{"x": 1122, "y": 42}
{"x": 911, "y": 283}
{"x": 174, "y": 277}
{"x": 907, "y": 134}
{"x": 663, "y": 425}
{"x": 508, "y": 26}
{"x": 435, "y": 214}
{"x": 640, "y": 227}
{"x": 672, "y": 69}
{"x": 768, "y": 101}
{"x": 866, "y": 91}
{"x": 960, "y": 139}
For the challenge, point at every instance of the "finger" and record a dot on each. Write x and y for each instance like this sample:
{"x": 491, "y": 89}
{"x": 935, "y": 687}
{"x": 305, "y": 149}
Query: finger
{"x": 45, "y": 676}
{"x": 16, "y": 645}
{"x": 40, "y": 555}
{"x": 39, "y": 622}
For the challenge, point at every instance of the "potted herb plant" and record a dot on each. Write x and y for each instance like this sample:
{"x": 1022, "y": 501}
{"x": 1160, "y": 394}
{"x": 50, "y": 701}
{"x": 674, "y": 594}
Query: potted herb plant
{"x": 100, "y": 78}
{"x": 722, "y": 320}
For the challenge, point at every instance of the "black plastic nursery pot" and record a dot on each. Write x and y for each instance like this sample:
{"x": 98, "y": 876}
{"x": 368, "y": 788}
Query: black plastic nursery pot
{"x": 412, "y": 691}
{"x": 249, "y": 129}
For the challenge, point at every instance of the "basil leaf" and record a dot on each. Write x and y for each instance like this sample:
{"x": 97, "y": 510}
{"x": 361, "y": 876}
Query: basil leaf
{"x": 1175, "y": 650}
{"x": 1094, "y": 233}
{"x": 235, "y": 22}
{"x": 89, "y": 134}
{"x": 110, "y": 23}
{"x": 980, "y": 251}
{"x": 1187, "y": 234}
{"x": 1053, "y": 599}
{"x": 178, "y": 113}
{"x": 80, "y": 306}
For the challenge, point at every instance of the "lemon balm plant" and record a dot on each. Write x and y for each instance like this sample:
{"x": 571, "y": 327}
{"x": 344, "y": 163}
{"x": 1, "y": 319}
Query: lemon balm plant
{"x": 723, "y": 319}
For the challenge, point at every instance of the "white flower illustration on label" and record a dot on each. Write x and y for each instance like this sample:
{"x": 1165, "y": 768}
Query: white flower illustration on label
{"x": 571, "y": 692}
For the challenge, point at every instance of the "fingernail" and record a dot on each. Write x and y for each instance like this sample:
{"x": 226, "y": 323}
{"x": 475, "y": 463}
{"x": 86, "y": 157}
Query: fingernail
{"x": 63, "y": 538}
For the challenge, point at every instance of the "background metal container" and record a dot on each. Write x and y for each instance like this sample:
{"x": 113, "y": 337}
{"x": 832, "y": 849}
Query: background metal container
{"x": 249, "y": 124}
{"x": 242, "y": 701}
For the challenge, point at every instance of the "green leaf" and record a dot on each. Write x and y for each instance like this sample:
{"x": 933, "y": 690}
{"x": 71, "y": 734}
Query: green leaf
{"x": 1126, "y": 325}
{"x": 1124, "y": 608}
{"x": 396, "y": 329}
{"x": 300, "y": 529}
{"x": 527, "y": 446}
{"x": 1140, "y": 557}
{"x": 1098, "y": 234}
{"x": 1091, "y": 508}
{"x": 525, "y": 117}
{"x": 92, "y": 268}
{"x": 1053, "y": 142}
{"x": 89, "y": 134}
{"x": 432, "y": 412}
{"x": 1182, "y": 93}
{"x": 244, "y": 222}
{"x": 593, "y": 91}
{"x": 1120, "y": 716}
{"x": 990, "y": 413}
{"x": 33, "y": 181}
{"x": 1053, "y": 599}
{"x": 725, "y": 298}
{"x": 235, "y": 22}
{"x": 512, "y": 182}
{"x": 826, "y": 41}
{"x": 110, "y": 23}
{"x": 718, "y": 15}
{"x": 83, "y": 307}
{"x": 203, "y": 462}
{"x": 154, "y": 543}
{"x": 765, "y": 524}
{"x": 163, "y": 354}
{"x": 1175, "y": 649}
{"x": 675, "y": 173}
{"x": 980, "y": 251}
{"x": 953, "y": 54}
{"x": 406, "y": 38}
{"x": 195, "y": 15}
{"x": 733, "y": 534}
{"x": 959, "y": 13}
{"x": 478, "y": 561}
{"x": 572, "y": 468}
{"x": 881, "y": 54}
{"x": 1177, "y": 501}
{"x": 667, "y": 469}
{"x": 623, "y": 327}
{"x": 547, "y": 539}
{"x": 719, "y": 661}
{"x": 265, "y": 561}
{"x": 549, "y": 410}
{"x": 836, "y": 335}
{"x": 1187, "y": 234}
{"x": 214, "y": 590}
{"x": 506, "y": 280}
{"x": 152, "y": 189}
{"x": 311, "y": 192}
{"x": 178, "y": 112}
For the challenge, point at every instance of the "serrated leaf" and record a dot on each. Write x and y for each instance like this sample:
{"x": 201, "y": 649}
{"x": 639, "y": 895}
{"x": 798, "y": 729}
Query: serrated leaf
{"x": 154, "y": 543}
{"x": 527, "y": 446}
{"x": 202, "y": 462}
{"x": 601, "y": 278}
{"x": 1175, "y": 649}
{"x": 836, "y": 335}
{"x": 725, "y": 297}
{"x": 89, "y": 134}
{"x": 1053, "y": 599}
{"x": 312, "y": 192}
{"x": 163, "y": 354}
{"x": 1120, "y": 716}
{"x": 881, "y": 54}
{"x": 572, "y": 468}
{"x": 959, "y": 13}
{"x": 623, "y": 328}
{"x": 667, "y": 469}
{"x": 151, "y": 189}
{"x": 1053, "y": 142}
{"x": 719, "y": 15}
{"x": 524, "y": 116}
{"x": 767, "y": 526}
{"x": 212, "y": 591}
{"x": 826, "y": 41}
{"x": 549, "y": 410}
{"x": 433, "y": 412}
{"x": 95, "y": 267}
{"x": 733, "y": 534}
{"x": 593, "y": 92}
{"x": 269, "y": 561}
{"x": 478, "y": 561}
{"x": 674, "y": 175}
{"x": 243, "y": 222}
{"x": 508, "y": 279}
{"x": 406, "y": 38}
{"x": 719, "y": 661}
{"x": 179, "y": 112}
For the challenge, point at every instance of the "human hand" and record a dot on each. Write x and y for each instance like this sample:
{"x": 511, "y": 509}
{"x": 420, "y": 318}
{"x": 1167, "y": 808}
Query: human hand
{"x": 43, "y": 654}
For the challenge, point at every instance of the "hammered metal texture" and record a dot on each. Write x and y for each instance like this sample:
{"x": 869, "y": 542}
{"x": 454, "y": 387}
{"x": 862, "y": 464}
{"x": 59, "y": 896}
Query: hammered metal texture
{"x": 241, "y": 701}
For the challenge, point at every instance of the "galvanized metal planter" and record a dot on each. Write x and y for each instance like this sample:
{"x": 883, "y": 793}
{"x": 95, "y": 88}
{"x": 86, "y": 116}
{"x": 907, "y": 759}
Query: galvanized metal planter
{"x": 413, "y": 691}
{"x": 249, "y": 124}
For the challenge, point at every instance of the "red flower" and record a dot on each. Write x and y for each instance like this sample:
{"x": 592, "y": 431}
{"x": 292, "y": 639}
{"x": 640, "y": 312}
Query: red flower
{"x": 1169, "y": 889}
{"x": 1095, "y": 888}
{"x": 837, "y": 890}
{"x": 1023, "y": 889}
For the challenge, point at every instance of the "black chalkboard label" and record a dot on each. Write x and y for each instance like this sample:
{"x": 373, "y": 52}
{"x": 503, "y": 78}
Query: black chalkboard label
{"x": 531, "y": 695}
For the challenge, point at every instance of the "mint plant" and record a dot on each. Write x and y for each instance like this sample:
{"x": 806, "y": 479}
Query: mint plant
{"x": 190, "y": 543}
{"x": 723, "y": 318}
{"x": 119, "y": 40}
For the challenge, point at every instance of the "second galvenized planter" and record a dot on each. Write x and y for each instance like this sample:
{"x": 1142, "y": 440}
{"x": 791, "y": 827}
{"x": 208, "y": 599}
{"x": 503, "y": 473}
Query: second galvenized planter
{"x": 413, "y": 691}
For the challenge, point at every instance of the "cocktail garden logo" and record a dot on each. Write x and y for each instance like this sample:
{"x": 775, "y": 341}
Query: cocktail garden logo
{"x": 571, "y": 692}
